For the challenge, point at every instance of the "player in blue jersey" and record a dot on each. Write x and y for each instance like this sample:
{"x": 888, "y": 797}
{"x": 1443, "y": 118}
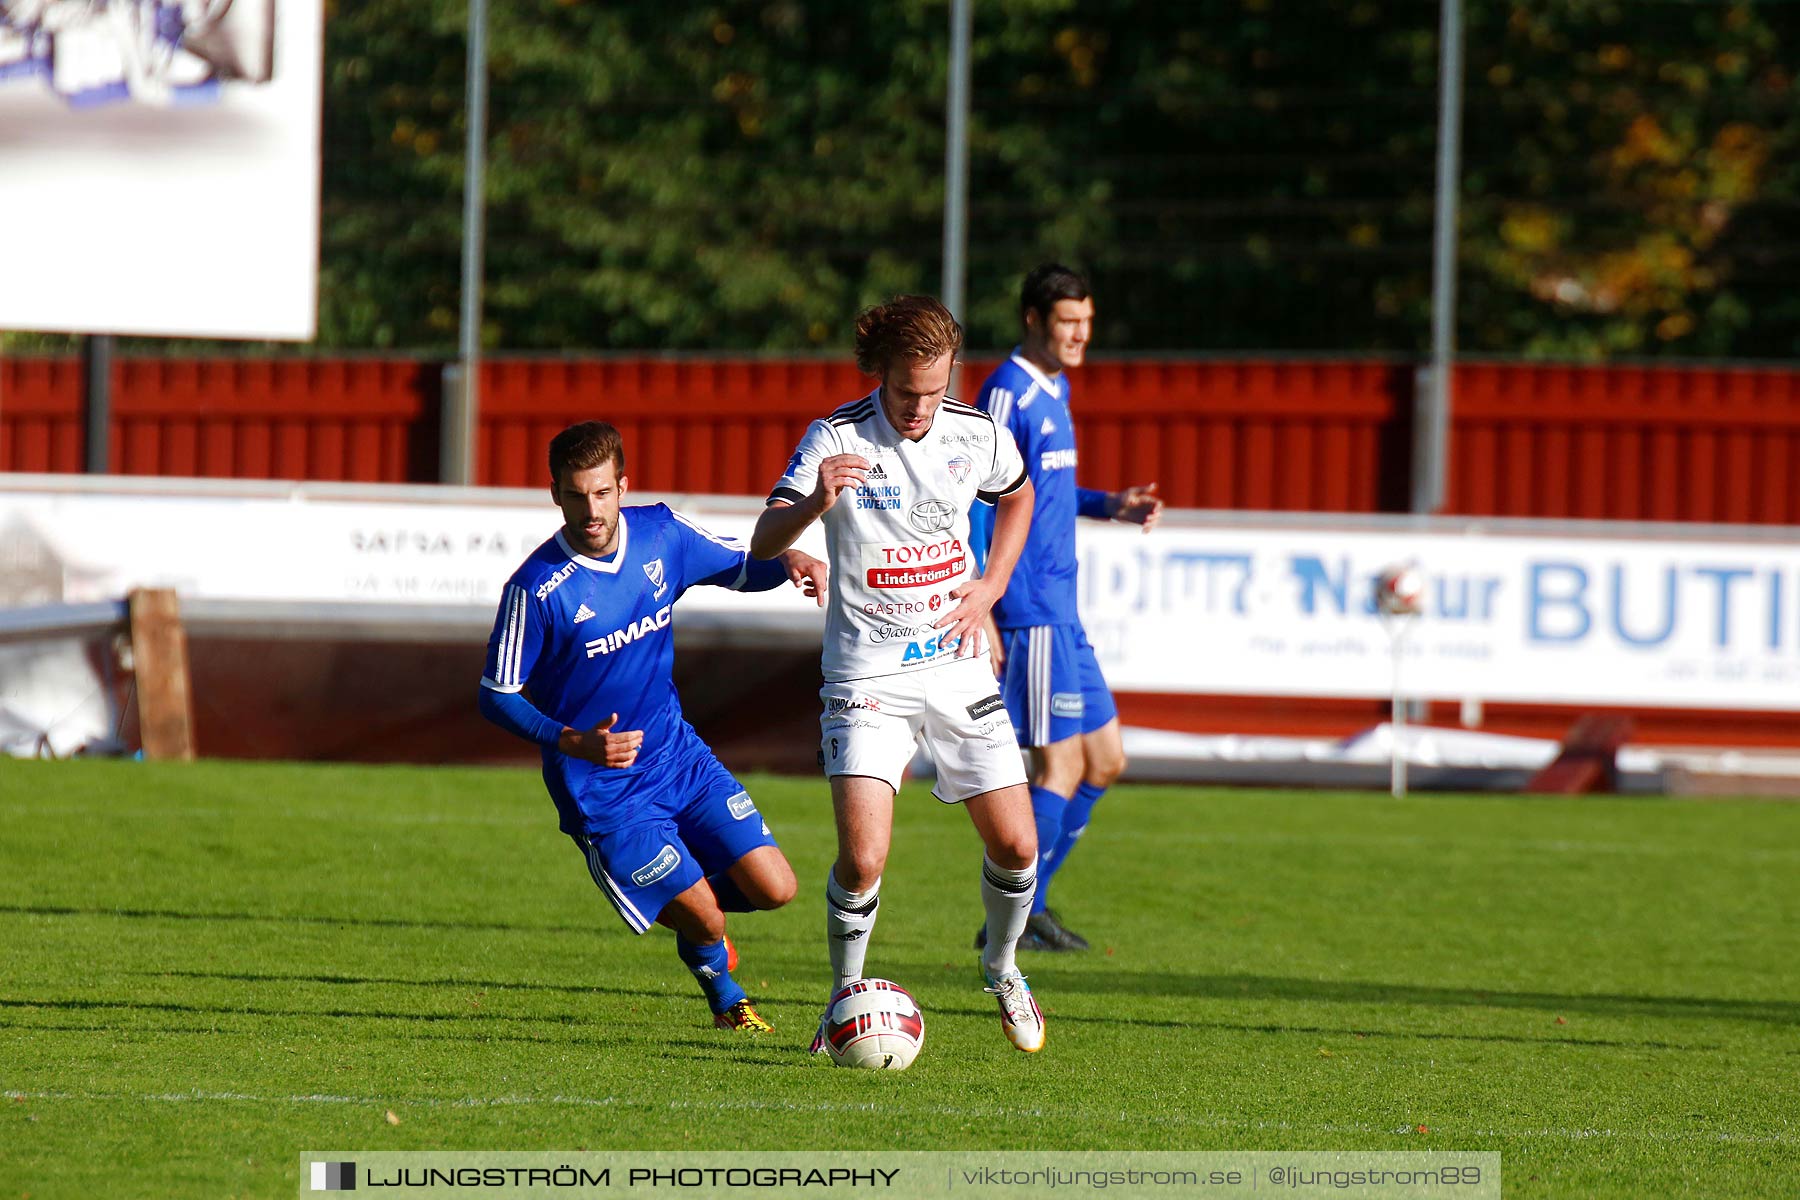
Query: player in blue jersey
{"x": 581, "y": 661}
{"x": 1060, "y": 705}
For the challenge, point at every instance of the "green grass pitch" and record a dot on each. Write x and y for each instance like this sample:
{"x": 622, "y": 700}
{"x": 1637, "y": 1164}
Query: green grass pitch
{"x": 209, "y": 969}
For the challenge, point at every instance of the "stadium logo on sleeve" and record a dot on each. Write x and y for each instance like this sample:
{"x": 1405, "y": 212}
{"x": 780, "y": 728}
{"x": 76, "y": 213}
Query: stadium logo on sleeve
{"x": 654, "y": 570}
{"x": 932, "y": 516}
{"x": 665, "y": 861}
{"x": 741, "y": 806}
{"x": 555, "y": 581}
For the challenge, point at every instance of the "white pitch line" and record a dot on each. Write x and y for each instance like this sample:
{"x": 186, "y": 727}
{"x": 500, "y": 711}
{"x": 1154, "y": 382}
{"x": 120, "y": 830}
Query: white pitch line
{"x": 1772, "y": 1139}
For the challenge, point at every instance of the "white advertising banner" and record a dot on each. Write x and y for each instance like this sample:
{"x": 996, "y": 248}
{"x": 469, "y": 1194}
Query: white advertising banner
{"x": 159, "y": 166}
{"x": 1194, "y": 606}
{"x": 301, "y": 547}
{"x": 1539, "y": 619}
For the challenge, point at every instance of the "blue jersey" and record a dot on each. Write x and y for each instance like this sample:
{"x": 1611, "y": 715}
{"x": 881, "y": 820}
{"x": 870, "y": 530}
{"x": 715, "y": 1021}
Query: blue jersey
{"x": 1035, "y": 408}
{"x": 585, "y": 638}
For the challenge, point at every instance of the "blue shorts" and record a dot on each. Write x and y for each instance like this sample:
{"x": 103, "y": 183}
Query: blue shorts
{"x": 700, "y": 823}
{"x": 1053, "y": 688}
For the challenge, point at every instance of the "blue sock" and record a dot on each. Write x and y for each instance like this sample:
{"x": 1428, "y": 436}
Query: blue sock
{"x": 1048, "y": 808}
{"x": 708, "y": 965}
{"x": 1074, "y": 822}
{"x": 730, "y": 896}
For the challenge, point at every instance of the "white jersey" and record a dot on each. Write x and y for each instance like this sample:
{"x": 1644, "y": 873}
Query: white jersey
{"x": 899, "y": 543}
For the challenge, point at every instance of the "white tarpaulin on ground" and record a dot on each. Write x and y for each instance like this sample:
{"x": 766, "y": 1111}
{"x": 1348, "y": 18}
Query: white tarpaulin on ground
{"x": 1207, "y": 603}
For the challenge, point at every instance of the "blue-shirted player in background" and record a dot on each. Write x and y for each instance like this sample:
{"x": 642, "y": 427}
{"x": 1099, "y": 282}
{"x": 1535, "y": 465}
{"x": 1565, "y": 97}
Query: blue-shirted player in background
{"x": 1060, "y": 705}
{"x": 581, "y": 661}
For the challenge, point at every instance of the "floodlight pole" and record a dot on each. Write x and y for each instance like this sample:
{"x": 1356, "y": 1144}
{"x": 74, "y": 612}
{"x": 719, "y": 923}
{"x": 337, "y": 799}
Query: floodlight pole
{"x": 1431, "y": 425}
{"x": 462, "y": 384}
{"x": 956, "y": 158}
{"x": 1399, "y": 627}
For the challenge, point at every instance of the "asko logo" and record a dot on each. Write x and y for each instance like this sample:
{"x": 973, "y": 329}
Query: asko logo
{"x": 942, "y": 644}
{"x": 919, "y": 566}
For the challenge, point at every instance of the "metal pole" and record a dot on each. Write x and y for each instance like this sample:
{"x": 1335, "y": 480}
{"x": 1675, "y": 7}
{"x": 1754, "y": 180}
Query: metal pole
{"x": 956, "y": 158}
{"x": 1397, "y": 725}
{"x": 1432, "y": 407}
{"x": 96, "y": 371}
{"x": 463, "y": 386}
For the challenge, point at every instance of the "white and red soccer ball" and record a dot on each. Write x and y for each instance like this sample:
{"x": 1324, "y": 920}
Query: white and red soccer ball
{"x": 1400, "y": 591}
{"x": 874, "y": 1024}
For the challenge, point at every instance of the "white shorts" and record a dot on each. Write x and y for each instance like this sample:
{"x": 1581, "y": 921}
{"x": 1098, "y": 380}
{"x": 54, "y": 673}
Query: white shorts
{"x": 869, "y": 725}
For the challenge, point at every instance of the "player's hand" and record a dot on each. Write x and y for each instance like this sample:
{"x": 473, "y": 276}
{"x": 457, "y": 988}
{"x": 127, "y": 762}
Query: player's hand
{"x": 1138, "y": 506}
{"x": 963, "y": 624}
{"x": 807, "y": 573}
{"x": 996, "y": 648}
{"x": 836, "y": 473}
{"x": 601, "y": 745}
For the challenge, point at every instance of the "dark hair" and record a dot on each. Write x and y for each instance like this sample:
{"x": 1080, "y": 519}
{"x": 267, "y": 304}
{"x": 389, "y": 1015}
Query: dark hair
{"x": 586, "y": 445}
{"x": 917, "y": 328}
{"x": 1048, "y": 283}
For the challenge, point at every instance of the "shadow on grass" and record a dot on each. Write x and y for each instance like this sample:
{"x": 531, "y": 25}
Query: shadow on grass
{"x": 489, "y": 1026}
{"x": 737, "y": 1048}
{"x": 169, "y": 914}
{"x": 1053, "y": 1019}
{"x": 569, "y": 1036}
{"x": 1352, "y": 991}
{"x": 497, "y": 985}
{"x": 251, "y": 1010}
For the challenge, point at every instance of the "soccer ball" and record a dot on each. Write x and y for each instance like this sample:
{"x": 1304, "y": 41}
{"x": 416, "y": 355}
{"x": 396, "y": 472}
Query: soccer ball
{"x": 1400, "y": 591}
{"x": 875, "y": 1025}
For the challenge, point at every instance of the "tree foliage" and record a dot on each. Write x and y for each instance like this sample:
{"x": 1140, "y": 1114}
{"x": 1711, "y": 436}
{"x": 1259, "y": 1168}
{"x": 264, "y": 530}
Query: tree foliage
{"x": 1243, "y": 175}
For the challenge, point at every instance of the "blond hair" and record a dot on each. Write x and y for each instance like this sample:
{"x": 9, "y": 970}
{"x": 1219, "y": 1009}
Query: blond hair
{"x": 906, "y": 328}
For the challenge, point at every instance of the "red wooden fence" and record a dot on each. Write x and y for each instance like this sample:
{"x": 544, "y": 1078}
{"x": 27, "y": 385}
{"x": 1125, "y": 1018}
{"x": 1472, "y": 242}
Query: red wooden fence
{"x": 1627, "y": 443}
{"x": 1664, "y": 443}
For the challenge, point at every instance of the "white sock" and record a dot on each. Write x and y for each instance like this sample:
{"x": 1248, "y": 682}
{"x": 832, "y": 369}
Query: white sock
{"x": 849, "y": 919}
{"x": 1006, "y": 895}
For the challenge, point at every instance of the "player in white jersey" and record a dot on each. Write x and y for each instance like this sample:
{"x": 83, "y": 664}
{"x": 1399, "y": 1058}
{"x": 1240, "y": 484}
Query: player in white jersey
{"x": 892, "y": 476}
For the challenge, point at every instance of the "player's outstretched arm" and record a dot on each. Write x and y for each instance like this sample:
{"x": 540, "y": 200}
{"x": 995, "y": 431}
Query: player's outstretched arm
{"x": 807, "y": 573}
{"x": 512, "y": 712}
{"x": 1012, "y": 521}
{"x": 601, "y": 745}
{"x": 781, "y": 523}
{"x": 1137, "y": 506}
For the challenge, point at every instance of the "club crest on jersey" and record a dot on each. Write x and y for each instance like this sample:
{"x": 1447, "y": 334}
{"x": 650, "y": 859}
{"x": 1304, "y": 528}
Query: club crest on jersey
{"x": 654, "y": 570}
{"x": 959, "y": 467}
{"x": 932, "y": 516}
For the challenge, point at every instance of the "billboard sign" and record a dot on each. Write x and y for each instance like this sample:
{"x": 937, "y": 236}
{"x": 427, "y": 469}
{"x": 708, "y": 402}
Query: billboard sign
{"x": 159, "y": 166}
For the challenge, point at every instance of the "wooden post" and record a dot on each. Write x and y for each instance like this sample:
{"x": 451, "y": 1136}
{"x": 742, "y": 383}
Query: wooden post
{"x": 160, "y": 658}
